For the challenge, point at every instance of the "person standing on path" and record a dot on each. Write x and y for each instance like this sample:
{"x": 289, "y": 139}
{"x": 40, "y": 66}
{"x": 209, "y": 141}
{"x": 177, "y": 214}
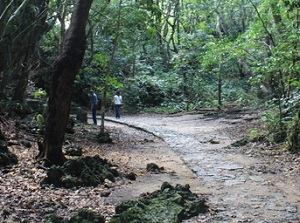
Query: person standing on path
{"x": 118, "y": 103}
{"x": 94, "y": 106}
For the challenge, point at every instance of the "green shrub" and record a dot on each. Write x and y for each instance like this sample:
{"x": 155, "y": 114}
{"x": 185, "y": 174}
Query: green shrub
{"x": 142, "y": 92}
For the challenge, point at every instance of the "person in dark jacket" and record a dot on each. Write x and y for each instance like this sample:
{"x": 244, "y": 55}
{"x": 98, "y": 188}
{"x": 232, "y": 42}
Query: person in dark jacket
{"x": 94, "y": 106}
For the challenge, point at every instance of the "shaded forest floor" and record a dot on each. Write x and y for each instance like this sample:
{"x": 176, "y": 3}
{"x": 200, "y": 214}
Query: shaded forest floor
{"x": 23, "y": 199}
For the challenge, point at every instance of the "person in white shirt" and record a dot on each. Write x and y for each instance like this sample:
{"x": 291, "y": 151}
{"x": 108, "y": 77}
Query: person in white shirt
{"x": 118, "y": 103}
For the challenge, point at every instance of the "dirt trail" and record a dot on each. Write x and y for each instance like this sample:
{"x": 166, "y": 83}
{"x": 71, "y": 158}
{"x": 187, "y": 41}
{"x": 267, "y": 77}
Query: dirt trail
{"x": 239, "y": 187}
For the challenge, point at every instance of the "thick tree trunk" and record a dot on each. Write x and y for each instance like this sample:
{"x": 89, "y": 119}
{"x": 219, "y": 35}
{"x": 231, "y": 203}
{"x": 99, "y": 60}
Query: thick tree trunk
{"x": 65, "y": 68}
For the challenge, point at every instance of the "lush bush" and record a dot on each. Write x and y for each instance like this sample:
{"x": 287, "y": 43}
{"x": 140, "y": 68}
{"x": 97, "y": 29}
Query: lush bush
{"x": 172, "y": 92}
{"x": 282, "y": 122}
{"x": 293, "y": 131}
{"x": 142, "y": 92}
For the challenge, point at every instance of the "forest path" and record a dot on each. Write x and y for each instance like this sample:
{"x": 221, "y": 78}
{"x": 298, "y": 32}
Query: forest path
{"x": 240, "y": 187}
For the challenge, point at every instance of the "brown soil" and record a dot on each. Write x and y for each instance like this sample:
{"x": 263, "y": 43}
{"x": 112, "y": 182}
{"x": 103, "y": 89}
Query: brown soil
{"x": 22, "y": 198}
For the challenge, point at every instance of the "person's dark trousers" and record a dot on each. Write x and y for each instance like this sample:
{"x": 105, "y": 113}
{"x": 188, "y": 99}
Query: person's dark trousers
{"x": 118, "y": 108}
{"x": 94, "y": 114}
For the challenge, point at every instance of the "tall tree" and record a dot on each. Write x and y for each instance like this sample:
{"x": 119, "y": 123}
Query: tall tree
{"x": 22, "y": 24}
{"x": 32, "y": 38}
{"x": 110, "y": 68}
{"x": 64, "y": 71}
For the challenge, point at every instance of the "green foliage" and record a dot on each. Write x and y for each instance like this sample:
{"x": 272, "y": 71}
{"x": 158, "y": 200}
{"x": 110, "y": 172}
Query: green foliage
{"x": 294, "y": 134}
{"x": 169, "y": 59}
{"x": 292, "y": 118}
{"x": 39, "y": 93}
{"x": 254, "y": 133}
{"x": 284, "y": 126}
{"x": 291, "y": 4}
{"x": 169, "y": 108}
{"x": 274, "y": 126}
{"x": 114, "y": 83}
{"x": 141, "y": 92}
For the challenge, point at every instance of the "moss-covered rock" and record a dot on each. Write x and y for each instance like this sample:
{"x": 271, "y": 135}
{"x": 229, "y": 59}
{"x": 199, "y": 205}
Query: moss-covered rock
{"x": 73, "y": 151}
{"x": 6, "y": 157}
{"x": 154, "y": 168}
{"x": 20, "y": 109}
{"x": 3, "y": 146}
{"x": 2, "y": 138}
{"x": 87, "y": 216}
{"x": 70, "y": 126}
{"x": 104, "y": 137}
{"x": 82, "y": 216}
{"x": 239, "y": 143}
{"x": 83, "y": 171}
{"x": 53, "y": 218}
{"x": 131, "y": 176}
{"x": 169, "y": 205}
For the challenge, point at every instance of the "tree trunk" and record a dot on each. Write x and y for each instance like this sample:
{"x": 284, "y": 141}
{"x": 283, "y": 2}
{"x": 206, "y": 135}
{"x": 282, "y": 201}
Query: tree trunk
{"x": 64, "y": 71}
{"x": 22, "y": 24}
{"x": 20, "y": 90}
{"x": 33, "y": 37}
{"x": 220, "y": 84}
{"x": 110, "y": 68}
{"x": 62, "y": 19}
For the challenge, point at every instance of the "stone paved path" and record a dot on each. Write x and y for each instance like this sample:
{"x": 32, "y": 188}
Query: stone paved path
{"x": 239, "y": 193}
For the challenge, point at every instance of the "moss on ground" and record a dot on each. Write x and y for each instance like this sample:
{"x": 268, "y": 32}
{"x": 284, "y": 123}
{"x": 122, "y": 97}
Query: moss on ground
{"x": 6, "y": 157}
{"x": 169, "y": 205}
{"x": 82, "y": 216}
{"x": 83, "y": 171}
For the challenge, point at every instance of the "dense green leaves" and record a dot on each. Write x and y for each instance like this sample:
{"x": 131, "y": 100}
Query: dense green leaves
{"x": 179, "y": 54}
